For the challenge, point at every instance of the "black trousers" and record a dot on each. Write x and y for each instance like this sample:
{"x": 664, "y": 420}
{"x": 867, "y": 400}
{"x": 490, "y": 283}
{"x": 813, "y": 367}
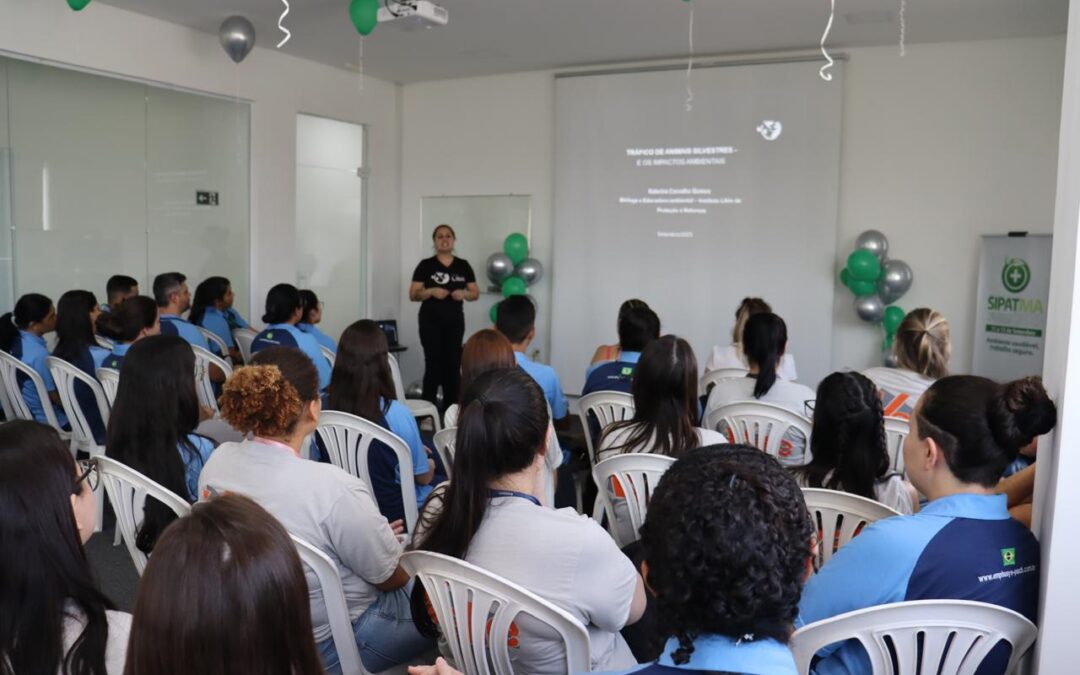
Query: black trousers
{"x": 441, "y": 339}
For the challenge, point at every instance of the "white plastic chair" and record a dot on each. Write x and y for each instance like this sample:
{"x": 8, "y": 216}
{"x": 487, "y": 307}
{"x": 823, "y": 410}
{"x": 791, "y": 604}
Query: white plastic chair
{"x": 419, "y": 407}
{"x": 838, "y": 517}
{"x": 638, "y": 475}
{"x": 606, "y": 407}
{"x": 337, "y": 609}
{"x": 761, "y": 425}
{"x": 104, "y": 342}
{"x": 476, "y": 609}
{"x": 347, "y": 439}
{"x": 203, "y": 385}
{"x": 445, "y": 439}
{"x": 945, "y": 637}
{"x": 214, "y": 338}
{"x": 110, "y": 383}
{"x": 128, "y": 490}
{"x": 243, "y": 339}
{"x": 712, "y": 377}
{"x": 10, "y": 369}
{"x": 328, "y": 354}
{"x": 896, "y": 430}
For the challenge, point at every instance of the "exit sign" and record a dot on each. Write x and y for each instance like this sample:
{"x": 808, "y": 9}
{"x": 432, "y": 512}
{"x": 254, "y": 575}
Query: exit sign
{"x": 206, "y": 198}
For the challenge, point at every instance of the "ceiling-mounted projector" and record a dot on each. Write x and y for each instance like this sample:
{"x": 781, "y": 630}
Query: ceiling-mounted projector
{"x": 412, "y": 14}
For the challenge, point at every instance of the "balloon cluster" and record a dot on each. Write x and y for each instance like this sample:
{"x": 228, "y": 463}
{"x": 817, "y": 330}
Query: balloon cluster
{"x": 364, "y": 15}
{"x": 513, "y": 271}
{"x": 877, "y": 282}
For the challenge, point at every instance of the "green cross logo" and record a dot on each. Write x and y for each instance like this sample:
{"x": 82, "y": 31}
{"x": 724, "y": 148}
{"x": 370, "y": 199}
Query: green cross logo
{"x": 269, "y": 336}
{"x": 1016, "y": 275}
{"x": 627, "y": 371}
{"x": 1008, "y": 557}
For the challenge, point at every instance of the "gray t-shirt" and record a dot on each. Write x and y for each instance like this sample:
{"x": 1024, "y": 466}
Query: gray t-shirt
{"x": 321, "y": 504}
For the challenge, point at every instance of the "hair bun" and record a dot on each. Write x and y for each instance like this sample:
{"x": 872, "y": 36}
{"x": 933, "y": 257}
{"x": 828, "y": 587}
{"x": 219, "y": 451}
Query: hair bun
{"x": 1021, "y": 411}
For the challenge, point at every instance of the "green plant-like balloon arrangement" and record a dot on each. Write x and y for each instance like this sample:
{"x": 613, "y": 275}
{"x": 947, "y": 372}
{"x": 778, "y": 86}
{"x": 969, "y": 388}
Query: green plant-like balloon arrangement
{"x": 512, "y": 271}
{"x": 877, "y": 283}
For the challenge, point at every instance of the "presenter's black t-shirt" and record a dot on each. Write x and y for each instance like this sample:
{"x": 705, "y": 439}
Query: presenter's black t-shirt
{"x": 455, "y": 277}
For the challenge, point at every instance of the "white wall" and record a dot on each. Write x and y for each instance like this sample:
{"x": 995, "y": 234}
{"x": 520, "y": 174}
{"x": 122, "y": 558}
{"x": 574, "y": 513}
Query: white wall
{"x": 114, "y": 41}
{"x": 952, "y": 141}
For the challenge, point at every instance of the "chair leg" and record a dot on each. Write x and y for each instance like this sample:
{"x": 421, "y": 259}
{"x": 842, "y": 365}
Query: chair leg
{"x": 579, "y": 490}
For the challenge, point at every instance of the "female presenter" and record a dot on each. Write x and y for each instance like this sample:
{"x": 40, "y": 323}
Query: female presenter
{"x": 440, "y": 283}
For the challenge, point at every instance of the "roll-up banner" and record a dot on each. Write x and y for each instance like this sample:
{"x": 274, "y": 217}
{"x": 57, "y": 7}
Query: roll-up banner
{"x": 1011, "y": 304}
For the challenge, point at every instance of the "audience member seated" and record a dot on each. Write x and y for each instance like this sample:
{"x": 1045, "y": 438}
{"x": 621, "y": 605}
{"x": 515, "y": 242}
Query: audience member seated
{"x": 152, "y": 425}
{"x": 962, "y": 545}
{"x": 22, "y": 334}
{"x": 848, "y": 447}
{"x": 55, "y": 619}
{"x": 733, "y": 355}
{"x": 135, "y": 319}
{"x": 1018, "y": 483}
{"x": 492, "y": 517}
{"x": 922, "y": 352}
{"x": 284, "y": 308}
{"x": 313, "y": 315}
{"x": 76, "y": 316}
{"x": 764, "y": 342}
{"x": 516, "y": 319}
{"x": 362, "y": 385}
{"x": 638, "y": 326}
{"x": 118, "y": 288}
{"x": 225, "y": 593}
{"x": 605, "y": 353}
{"x": 213, "y": 298}
{"x": 173, "y": 299}
{"x": 277, "y": 401}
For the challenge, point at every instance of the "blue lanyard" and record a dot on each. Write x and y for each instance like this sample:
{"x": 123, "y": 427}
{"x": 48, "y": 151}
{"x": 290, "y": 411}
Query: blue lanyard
{"x": 512, "y": 493}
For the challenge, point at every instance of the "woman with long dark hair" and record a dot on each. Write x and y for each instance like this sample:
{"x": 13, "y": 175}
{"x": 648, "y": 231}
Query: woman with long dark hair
{"x": 362, "y": 385}
{"x": 492, "y": 517}
{"x": 135, "y": 318}
{"x": 313, "y": 315}
{"x": 22, "y": 334}
{"x": 53, "y": 617}
{"x": 153, "y": 421}
{"x": 284, "y": 309}
{"x": 228, "y": 559}
{"x": 76, "y": 317}
{"x": 848, "y": 445}
{"x": 210, "y": 305}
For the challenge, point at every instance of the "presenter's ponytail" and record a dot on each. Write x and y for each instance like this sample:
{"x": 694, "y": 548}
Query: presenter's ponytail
{"x": 30, "y": 308}
{"x": 764, "y": 340}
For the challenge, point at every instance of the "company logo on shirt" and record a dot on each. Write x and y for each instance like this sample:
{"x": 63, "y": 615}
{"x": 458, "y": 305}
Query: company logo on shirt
{"x": 1008, "y": 557}
{"x": 441, "y": 278}
{"x": 627, "y": 371}
{"x": 269, "y": 336}
{"x": 1015, "y": 275}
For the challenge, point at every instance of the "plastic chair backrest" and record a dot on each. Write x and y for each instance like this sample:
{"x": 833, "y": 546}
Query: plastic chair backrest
{"x": 638, "y": 474}
{"x": 606, "y": 407}
{"x": 348, "y": 438}
{"x": 337, "y": 609}
{"x": 203, "y": 385}
{"x": 328, "y": 354}
{"x": 838, "y": 517}
{"x": 10, "y": 369}
{"x": 710, "y": 378}
{"x": 128, "y": 490}
{"x": 945, "y": 637}
{"x": 761, "y": 425}
{"x": 214, "y": 338}
{"x": 896, "y": 430}
{"x": 476, "y": 609}
{"x": 65, "y": 375}
{"x": 244, "y": 338}
{"x": 110, "y": 383}
{"x": 395, "y": 374}
{"x": 445, "y": 440}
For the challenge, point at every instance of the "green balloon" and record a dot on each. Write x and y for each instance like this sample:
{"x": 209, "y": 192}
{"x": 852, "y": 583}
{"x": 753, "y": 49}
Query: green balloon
{"x": 364, "y": 15}
{"x": 864, "y": 265}
{"x": 517, "y": 247}
{"x": 513, "y": 286}
{"x": 861, "y": 288}
{"x": 888, "y": 343}
{"x": 845, "y": 277}
{"x": 494, "y": 313}
{"x": 891, "y": 321}
{"x": 78, "y": 5}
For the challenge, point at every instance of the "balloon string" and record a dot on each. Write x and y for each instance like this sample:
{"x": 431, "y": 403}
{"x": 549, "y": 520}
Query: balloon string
{"x": 360, "y": 62}
{"x": 903, "y": 27}
{"x": 282, "y": 28}
{"x": 690, "y": 64}
{"x": 825, "y": 75}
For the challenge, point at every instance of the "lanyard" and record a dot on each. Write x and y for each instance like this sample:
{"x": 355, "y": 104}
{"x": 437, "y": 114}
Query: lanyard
{"x": 278, "y": 444}
{"x": 492, "y": 494}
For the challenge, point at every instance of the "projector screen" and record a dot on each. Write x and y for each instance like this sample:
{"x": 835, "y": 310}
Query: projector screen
{"x": 692, "y": 211}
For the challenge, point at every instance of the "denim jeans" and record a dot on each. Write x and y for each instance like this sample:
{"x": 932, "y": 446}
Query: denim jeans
{"x": 385, "y": 634}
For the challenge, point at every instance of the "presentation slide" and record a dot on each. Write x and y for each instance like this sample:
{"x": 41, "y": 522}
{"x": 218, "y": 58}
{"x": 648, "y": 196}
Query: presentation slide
{"x": 693, "y": 210}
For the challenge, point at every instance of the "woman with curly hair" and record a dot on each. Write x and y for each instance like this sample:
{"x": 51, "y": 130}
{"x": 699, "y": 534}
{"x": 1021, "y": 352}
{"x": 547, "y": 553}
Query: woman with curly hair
{"x": 276, "y": 399}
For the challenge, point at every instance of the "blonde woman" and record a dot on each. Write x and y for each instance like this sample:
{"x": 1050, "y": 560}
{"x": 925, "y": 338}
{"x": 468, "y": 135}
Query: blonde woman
{"x": 922, "y": 351}
{"x": 732, "y": 355}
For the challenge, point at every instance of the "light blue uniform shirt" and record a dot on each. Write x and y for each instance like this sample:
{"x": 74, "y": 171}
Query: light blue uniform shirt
{"x": 174, "y": 325}
{"x": 286, "y": 335}
{"x": 193, "y": 465}
{"x": 234, "y": 318}
{"x": 214, "y": 320}
{"x": 402, "y": 423}
{"x": 324, "y": 339}
{"x": 626, "y": 357}
{"x": 548, "y": 380}
{"x": 34, "y": 352}
{"x": 720, "y": 653}
{"x": 115, "y": 358}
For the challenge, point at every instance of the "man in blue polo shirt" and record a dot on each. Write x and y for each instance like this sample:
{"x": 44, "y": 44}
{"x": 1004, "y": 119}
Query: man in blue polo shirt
{"x": 516, "y": 319}
{"x": 173, "y": 299}
{"x": 638, "y": 326}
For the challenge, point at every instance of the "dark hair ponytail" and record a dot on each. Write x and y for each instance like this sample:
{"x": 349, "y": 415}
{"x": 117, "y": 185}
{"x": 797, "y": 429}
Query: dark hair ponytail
{"x": 30, "y": 308}
{"x": 501, "y": 428}
{"x": 207, "y": 293}
{"x": 282, "y": 301}
{"x": 763, "y": 341}
{"x": 128, "y": 319}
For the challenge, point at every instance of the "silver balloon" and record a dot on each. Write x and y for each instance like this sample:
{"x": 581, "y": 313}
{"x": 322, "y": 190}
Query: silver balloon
{"x": 499, "y": 267}
{"x": 896, "y": 278}
{"x": 890, "y": 359}
{"x": 873, "y": 241}
{"x": 237, "y": 37}
{"x": 869, "y": 308}
{"x": 529, "y": 269}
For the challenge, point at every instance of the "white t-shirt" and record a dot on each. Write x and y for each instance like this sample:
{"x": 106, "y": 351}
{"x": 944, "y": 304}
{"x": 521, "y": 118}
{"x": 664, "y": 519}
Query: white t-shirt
{"x": 789, "y": 395}
{"x": 611, "y": 444}
{"x": 892, "y": 491}
{"x": 729, "y": 356}
{"x": 900, "y": 389}
{"x": 569, "y": 560}
{"x": 116, "y": 643}
{"x": 323, "y": 505}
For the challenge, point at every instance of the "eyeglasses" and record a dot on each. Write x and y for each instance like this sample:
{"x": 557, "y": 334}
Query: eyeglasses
{"x": 88, "y": 471}
{"x": 808, "y": 407}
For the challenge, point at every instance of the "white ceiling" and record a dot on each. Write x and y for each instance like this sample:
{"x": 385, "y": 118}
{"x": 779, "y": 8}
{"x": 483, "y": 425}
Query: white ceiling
{"x": 499, "y": 36}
